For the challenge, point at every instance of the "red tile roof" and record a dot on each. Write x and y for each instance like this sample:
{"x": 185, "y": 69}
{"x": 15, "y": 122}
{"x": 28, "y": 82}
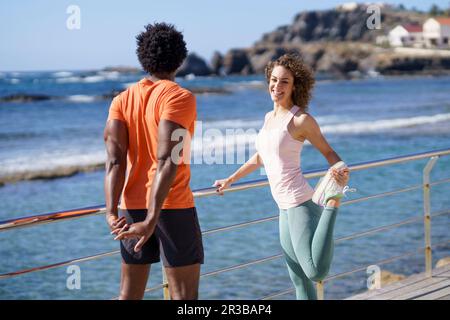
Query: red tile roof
{"x": 413, "y": 28}
{"x": 445, "y": 21}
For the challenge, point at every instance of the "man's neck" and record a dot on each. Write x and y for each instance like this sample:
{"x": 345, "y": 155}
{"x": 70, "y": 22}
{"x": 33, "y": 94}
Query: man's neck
{"x": 157, "y": 77}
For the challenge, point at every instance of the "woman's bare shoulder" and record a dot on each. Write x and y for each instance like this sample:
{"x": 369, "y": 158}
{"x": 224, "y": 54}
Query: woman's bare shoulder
{"x": 304, "y": 119}
{"x": 267, "y": 115}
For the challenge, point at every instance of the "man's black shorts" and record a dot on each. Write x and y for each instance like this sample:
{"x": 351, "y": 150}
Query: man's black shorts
{"x": 177, "y": 238}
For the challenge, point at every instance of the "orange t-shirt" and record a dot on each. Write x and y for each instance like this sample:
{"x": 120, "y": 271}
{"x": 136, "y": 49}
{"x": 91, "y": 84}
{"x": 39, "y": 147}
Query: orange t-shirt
{"x": 141, "y": 107}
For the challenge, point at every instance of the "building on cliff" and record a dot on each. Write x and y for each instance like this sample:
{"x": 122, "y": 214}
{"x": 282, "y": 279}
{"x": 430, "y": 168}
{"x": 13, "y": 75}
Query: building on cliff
{"x": 436, "y": 32}
{"x": 406, "y": 36}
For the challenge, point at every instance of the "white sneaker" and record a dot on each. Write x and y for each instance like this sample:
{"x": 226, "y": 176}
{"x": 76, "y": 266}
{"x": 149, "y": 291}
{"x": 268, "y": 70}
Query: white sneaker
{"x": 327, "y": 187}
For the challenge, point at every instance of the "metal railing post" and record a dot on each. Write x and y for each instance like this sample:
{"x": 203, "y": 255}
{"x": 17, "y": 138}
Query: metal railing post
{"x": 427, "y": 218}
{"x": 320, "y": 290}
{"x": 166, "y": 293}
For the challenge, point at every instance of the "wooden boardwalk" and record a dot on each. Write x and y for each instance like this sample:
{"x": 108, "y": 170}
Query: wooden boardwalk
{"x": 416, "y": 287}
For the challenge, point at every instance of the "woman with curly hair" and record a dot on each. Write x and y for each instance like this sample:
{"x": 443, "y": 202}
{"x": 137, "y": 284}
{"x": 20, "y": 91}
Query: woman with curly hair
{"x": 306, "y": 229}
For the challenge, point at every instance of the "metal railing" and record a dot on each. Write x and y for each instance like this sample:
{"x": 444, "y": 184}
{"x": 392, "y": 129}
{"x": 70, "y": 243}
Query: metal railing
{"x": 433, "y": 156}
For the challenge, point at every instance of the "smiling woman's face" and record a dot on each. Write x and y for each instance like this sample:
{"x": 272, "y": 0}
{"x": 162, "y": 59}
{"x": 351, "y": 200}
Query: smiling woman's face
{"x": 281, "y": 85}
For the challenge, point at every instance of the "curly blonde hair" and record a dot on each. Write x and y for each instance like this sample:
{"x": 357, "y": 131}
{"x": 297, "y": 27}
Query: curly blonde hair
{"x": 303, "y": 77}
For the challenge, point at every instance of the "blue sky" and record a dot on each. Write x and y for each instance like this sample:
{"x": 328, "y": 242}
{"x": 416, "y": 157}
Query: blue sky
{"x": 34, "y": 35}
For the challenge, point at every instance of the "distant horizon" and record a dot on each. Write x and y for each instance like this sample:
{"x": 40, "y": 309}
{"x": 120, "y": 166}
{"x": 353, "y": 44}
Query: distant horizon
{"x": 47, "y": 45}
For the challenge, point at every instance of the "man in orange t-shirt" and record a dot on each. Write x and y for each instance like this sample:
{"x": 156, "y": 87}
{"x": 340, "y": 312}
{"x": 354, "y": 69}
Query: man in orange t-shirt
{"x": 147, "y": 139}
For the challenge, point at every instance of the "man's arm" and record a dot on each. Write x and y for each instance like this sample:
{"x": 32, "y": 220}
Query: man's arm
{"x": 116, "y": 141}
{"x": 168, "y": 161}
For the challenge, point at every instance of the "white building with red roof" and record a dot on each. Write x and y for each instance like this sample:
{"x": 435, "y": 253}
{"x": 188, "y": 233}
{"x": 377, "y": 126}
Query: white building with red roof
{"x": 436, "y": 32}
{"x": 406, "y": 35}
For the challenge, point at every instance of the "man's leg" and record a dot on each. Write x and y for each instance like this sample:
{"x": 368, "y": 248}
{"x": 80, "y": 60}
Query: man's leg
{"x": 183, "y": 282}
{"x": 133, "y": 281}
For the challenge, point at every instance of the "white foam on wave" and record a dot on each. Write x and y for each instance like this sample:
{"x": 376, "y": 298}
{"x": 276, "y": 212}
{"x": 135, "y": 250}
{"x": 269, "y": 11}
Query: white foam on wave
{"x": 257, "y": 123}
{"x": 383, "y": 124}
{"x": 81, "y": 98}
{"x": 62, "y": 74}
{"x": 97, "y": 77}
{"x": 92, "y": 79}
{"x": 69, "y": 80}
{"x": 211, "y": 140}
{"x": 232, "y": 124}
{"x": 250, "y": 84}
{"x": 42, "y": 161}
{"x": 88, "y": 79}
{"x": 243, "y": 132}
{"x": 111, "y": 75}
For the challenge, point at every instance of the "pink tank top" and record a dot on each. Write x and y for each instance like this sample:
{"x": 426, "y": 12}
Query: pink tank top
{"x": 280, "y": 153}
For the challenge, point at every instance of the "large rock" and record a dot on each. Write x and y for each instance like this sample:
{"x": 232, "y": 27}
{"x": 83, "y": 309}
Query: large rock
{"x": 23, "y": 97}
{"x": 261, "y": 56}
{"x": 260, "y": 61}
{"x": 194, "y": 65}
{"x": 217, "y": 63}
{"x": 336, "y": 42}
{"x": 443, "y": 262}
{"x": 236, "y": 61}
{"x": 388, "y": 277}
{"x": 392, "y": 63}
{"x": 338, "y": 25}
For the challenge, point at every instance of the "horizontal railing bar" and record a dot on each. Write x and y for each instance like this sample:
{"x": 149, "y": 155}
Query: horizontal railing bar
{"x": 388, "y": 227}
{"x": 439, "y": 181}
{"x": 389, "y": 193}
{"x": 239, "y": 225}
{"x": 50, "y": 217}
{"x": 242, "y": 265}
{"x": 219, "y": 271}
{"x": 110, "y": 253}
{"x": 95, "y": 210}
{"x": 278, "y": 294}
{"x": 381, "y": 262}
{"x": 340, "y": 275}
{"x": 58, "y": 264}
{"x": 382, "y": 195}
{"x": 320, "y": 172}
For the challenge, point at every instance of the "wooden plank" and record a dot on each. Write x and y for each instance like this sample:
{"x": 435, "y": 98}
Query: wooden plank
{"x": 417, "y": 293}
{"x": 418, "y": 285}
{"x": 436, "y": 295}
{"x": 396, "y": 285}
{"x": 392, "y": 294}
{"x": 445, "y": 298}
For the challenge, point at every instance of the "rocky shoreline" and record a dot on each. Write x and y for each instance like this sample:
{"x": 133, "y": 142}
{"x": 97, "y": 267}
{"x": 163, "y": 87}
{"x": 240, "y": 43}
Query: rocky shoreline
{"x": 335, "y": 41}
{"x": 55, "y": 173}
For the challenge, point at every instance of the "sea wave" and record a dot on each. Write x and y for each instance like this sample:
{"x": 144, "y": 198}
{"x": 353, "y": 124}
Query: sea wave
{"x": 93, "y": 78}
{"x": 257, "y": 123}
{"x": 210, "y": 142}
{"x": 249, "y": 84}
{"x": 82, "y": 98}
{"x": 62, "y": 74}
{"x": 50, "y": 165}
{"x": 384, "y": 124}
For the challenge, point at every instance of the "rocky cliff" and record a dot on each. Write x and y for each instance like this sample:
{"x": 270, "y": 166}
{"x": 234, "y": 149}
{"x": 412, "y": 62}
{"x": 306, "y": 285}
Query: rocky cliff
{"x": 335, "y": 41}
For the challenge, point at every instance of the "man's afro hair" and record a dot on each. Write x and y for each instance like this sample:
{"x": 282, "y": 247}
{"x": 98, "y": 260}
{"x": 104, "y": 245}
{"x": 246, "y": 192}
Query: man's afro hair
{"x": 160, "y": 48}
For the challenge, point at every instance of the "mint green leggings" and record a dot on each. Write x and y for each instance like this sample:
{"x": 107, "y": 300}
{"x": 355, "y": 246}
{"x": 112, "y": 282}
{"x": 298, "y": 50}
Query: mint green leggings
{"x": 306, "y": 236}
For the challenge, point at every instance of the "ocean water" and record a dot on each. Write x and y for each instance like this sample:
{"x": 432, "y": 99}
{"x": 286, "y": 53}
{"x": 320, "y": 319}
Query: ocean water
{"x": 363, "y": 120}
